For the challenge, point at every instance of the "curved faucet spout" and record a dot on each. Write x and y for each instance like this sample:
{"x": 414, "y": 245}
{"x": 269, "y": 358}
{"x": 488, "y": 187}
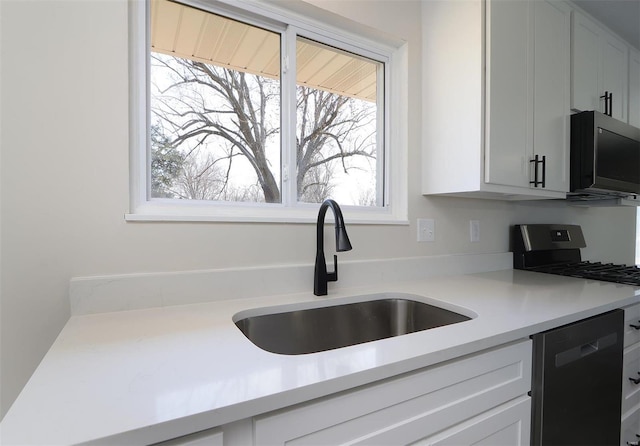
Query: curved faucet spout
{"x": 321, "y": 277}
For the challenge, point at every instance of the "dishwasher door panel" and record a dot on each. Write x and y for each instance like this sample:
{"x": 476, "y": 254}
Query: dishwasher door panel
{"x": 577, "y": 383}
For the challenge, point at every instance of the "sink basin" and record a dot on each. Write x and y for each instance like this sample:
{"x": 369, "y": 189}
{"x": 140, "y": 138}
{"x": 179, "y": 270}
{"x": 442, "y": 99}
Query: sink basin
{"x": 310, "y": 330}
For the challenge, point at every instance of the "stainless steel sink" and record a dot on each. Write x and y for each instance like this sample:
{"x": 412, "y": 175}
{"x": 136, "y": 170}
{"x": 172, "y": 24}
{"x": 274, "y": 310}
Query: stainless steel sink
{"x": 311, "y": 330}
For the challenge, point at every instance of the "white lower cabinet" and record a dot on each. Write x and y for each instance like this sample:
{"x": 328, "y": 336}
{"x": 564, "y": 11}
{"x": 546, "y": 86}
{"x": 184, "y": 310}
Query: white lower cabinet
{"x": 631, "y": 378}
{"x": 630, "y": 429}
{"x": 630, "y": 434}
{"x": 478, "y": 399}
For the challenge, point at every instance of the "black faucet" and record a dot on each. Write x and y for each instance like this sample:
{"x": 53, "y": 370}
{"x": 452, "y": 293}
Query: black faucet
{"x": 321, "y": 277}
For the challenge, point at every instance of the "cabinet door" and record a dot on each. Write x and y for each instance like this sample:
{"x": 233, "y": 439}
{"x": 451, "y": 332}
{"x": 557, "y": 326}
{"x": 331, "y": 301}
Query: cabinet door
{"x": 509, "y": 91}
{"x": 506, "y": 425}
{"x": 551, "y": 74}
{"x": 614, "y": 73}
{"x": 634, "y": 87}
{"x": 599, "y": 64}
{"x": 631, "y": 325}
{"x": 631, "y": 375}
{"x": 528, "y": 91}
{"x": 585, "y": 62}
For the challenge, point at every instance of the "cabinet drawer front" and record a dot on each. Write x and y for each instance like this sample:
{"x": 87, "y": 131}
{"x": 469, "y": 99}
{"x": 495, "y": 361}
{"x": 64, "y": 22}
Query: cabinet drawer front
{"x": 210, "y": 437}
{"x": 408, "y": 408}
{"x": 631, "y": 318}
{"x": 630, "y": 428}
{"x": 631, "y": 369}
{"x": 506, "y": 425}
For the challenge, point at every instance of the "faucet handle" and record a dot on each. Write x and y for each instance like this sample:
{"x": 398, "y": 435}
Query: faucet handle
{"x": 333, "y": 277}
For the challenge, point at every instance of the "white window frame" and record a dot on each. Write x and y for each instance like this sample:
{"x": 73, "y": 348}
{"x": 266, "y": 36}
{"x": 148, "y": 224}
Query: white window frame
{"x": 302, "y": 20}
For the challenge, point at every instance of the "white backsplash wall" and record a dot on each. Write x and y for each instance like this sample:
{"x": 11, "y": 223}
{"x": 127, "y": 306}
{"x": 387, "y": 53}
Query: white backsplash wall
{"x": 65, "y": 175}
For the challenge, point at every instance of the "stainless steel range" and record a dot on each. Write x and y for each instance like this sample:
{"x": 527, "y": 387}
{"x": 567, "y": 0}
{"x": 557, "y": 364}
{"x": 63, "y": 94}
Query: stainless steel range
{"x": 555, "y": 249}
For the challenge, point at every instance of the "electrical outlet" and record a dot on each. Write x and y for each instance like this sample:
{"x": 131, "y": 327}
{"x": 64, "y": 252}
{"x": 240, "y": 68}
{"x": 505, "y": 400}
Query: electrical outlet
{"x": 426, "y": 230}
{"x": 474, "y": 230}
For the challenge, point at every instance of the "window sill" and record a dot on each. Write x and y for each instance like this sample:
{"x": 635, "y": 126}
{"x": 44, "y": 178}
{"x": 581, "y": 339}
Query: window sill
{"x": 251, "y": 213}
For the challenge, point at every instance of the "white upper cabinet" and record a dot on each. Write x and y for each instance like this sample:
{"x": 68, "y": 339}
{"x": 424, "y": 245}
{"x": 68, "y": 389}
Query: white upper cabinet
{"x": 634, "y": 87}
{"x": 586, "y": 62}
{"x": 496, "y": 98}
{"x": 600, "y": 66}
{"x": 551, "y": 90}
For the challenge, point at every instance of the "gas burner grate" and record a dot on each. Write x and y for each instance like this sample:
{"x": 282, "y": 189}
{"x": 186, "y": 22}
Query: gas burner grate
{"x": 609, "y": 272}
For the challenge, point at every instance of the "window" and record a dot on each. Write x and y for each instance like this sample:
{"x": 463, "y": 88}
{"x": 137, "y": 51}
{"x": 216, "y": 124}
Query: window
{"x": 239, "y": 115}
{"x": 215, "y": 96}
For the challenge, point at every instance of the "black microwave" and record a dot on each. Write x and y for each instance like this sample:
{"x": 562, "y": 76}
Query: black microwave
{"x": 605, "y": 156}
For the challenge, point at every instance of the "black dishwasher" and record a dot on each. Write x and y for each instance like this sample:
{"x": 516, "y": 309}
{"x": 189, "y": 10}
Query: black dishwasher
{"x": 577, "y": 383}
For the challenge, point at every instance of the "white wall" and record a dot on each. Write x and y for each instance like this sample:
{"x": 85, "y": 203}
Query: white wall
{"x": 64, "y": 179}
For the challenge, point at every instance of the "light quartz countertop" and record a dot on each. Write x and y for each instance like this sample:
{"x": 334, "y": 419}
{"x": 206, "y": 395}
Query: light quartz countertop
{"x": 148, "y": 375}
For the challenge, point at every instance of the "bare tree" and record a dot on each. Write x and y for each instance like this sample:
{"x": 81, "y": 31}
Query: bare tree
{"x": 317, "y": 185}
{"x": 367, "y": 197}
{"x": 244, "y": 118}
{"x": 200, "y": 179}
{"x": 250, "y": 193}
{"x": 327, "y": 123}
